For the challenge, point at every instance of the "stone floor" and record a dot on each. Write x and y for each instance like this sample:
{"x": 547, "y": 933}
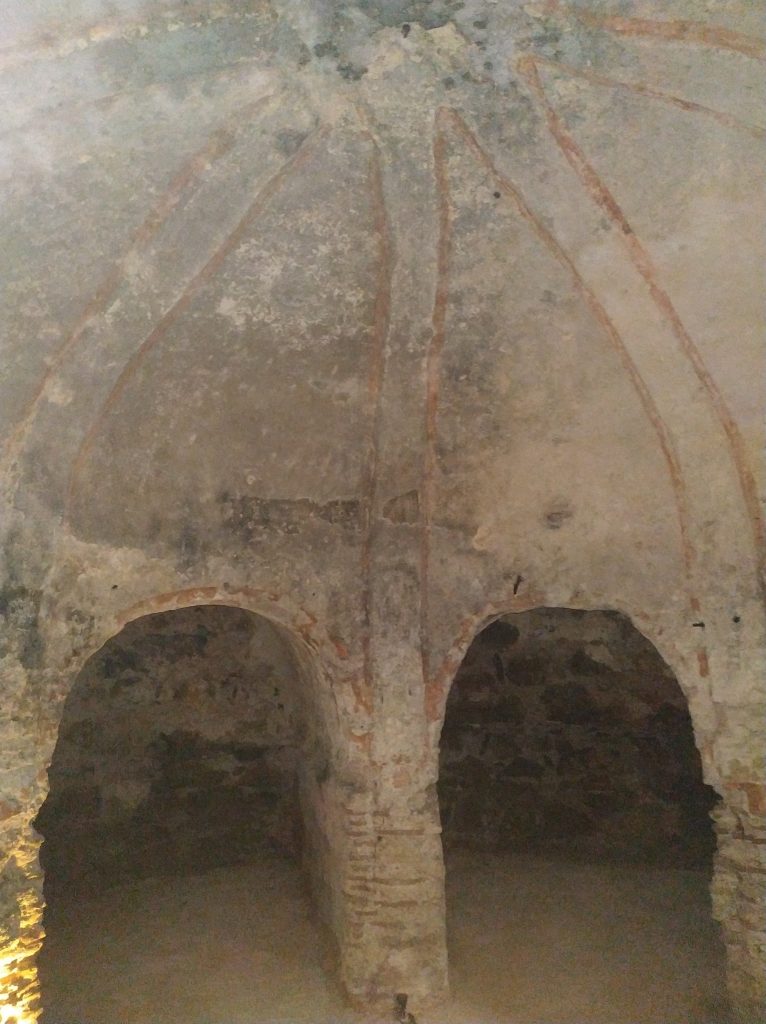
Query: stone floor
{"x": 530, "y": 941}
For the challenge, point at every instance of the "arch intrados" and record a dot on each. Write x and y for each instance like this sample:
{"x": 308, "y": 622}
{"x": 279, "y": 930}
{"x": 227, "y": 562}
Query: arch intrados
{"x": 299, "y": 628}
{"x": 296, "y": 622}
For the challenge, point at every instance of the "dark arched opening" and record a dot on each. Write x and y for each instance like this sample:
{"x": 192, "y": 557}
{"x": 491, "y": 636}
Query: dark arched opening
{"x": 576, "y": 828}
{"x": 174, "y": 829}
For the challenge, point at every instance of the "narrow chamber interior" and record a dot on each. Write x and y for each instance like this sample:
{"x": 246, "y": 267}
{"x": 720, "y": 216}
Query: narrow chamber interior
{"x": 577, "y": 831}
{"x": 174, "y": 838}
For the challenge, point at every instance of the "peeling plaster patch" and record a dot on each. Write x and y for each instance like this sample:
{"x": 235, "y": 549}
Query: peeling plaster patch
{"x": 385, "y": 61}
{"x": 481, "y": 540}
{"x": 233, "y": 312}
{"x": 113, "y": 311}
{"x": 404, "y": 508}
{"x": 559, "y": 512}
{"x": 249, "y": 517}
{"x": 134, "y": 265}
{"x": 447, "y": 39}
{"x": 265, "y": 270}
{"x": 59, "y": 393}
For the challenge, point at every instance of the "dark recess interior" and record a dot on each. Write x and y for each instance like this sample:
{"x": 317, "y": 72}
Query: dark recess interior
{"x": 567, "y": 734}
{"x": 177, "y": 752}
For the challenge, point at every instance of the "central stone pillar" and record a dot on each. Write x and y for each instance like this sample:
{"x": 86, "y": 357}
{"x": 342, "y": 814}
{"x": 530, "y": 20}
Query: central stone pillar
{"x": 395, "y": 940}
{"x": 394, "y": 884}
{"x": 378, "y": 881}
{"x": 395, "y": 890}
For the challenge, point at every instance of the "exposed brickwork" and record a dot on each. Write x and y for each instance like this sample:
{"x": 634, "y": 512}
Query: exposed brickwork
{"x": 739, "y": 900}
{"x": 381, "y": 319}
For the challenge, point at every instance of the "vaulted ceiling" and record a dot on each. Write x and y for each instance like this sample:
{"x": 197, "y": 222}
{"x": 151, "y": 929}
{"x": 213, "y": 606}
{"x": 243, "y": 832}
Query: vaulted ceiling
{"x": 493, "y": 268}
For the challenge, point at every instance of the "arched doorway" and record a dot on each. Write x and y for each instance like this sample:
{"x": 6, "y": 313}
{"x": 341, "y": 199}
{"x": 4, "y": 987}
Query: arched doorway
{"x": 174, "y": 830}
{"x": 576, "y": 828}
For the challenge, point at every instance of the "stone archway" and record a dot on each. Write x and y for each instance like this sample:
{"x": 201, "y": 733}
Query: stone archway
{"x": 568, "y": 765}
{"x": 179, "y": 776}
{"x": 321, "y": 767}
{"x": 192, "y": 697}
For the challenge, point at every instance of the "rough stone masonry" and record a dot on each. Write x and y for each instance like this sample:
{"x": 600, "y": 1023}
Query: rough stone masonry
{"x": 382, "y": 321}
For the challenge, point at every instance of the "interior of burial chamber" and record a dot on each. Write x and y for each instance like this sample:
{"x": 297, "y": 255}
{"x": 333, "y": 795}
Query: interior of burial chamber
{"x": 174, "y": 844}
{"x": 577, "y": 831}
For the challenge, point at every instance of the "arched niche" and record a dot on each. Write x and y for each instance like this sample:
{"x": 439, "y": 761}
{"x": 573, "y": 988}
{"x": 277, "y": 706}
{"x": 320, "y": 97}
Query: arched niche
{"x": 189, "y": 746}
{"x": 576, "y": 826}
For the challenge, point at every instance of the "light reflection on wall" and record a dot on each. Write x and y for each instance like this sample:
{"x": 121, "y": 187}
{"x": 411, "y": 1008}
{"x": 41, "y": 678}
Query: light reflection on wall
{"x": 19, "y": 987}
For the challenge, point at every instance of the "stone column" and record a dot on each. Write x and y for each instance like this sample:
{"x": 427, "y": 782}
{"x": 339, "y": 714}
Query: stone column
{"x": 377, "y": 877}
{"x": 739, "y": 895}
{"x": 393, "y": 876}
{"x": 394, "y": 893}
{"x": 393, "y": 886}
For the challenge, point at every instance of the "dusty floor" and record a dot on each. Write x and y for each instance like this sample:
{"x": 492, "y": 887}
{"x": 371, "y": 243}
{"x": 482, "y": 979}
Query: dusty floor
{"x": 553, "y": 942}
{"x": 530, "y": 941}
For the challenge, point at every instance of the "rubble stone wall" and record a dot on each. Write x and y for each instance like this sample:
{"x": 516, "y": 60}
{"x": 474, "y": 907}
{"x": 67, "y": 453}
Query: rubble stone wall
{"x": 177, "y": 750}
{"x": 383, "y": 321}
{"x": 565, "y": 732}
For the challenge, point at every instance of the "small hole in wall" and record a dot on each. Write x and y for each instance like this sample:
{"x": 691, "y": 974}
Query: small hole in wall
{"x": 736, "y": 618}
{"x": 406, "y": 30}
{"x": 496, "y": 195}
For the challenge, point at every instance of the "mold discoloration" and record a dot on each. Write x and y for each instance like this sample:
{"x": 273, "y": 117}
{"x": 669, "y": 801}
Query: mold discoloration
{"x": 384, "y": 320}
{"x": 557, "y": 514}
{"x": 251, "y": 517}
{"x": 403, "y": 508}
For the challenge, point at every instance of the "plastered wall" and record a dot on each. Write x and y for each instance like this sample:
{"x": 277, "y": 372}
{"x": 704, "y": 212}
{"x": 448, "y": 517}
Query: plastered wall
{"x": 381, "y": 321}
